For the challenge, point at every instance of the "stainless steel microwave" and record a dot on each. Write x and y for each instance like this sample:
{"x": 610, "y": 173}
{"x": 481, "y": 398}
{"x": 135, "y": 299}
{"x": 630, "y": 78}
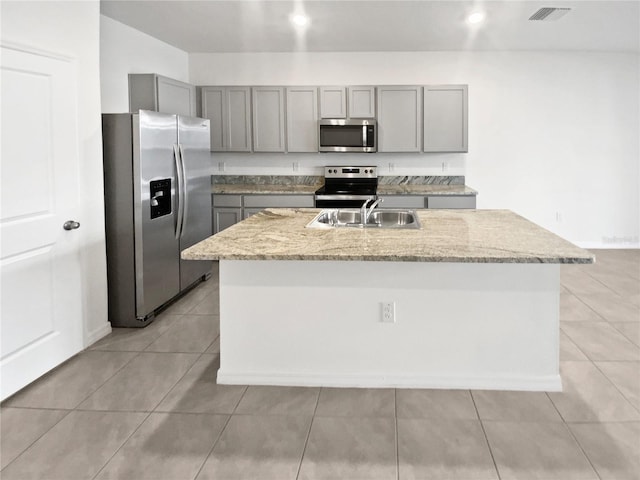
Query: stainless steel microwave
{"x": 353, "y": 135}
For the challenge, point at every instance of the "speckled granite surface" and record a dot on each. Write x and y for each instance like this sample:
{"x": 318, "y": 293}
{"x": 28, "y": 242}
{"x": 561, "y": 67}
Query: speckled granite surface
{"x": 308, "y": 184}
{"x": 250, "y": 188}
{"x": 473, "y": 236}
{"x": 256, "y": 184}
{"x": 424, "y": 189}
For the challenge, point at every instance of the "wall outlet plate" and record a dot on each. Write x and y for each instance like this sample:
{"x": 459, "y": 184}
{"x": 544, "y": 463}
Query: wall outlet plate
{"x": 388, "y": 312}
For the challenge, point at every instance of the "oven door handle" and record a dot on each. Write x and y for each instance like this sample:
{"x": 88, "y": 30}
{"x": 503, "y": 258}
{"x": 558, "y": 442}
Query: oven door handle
{"x": 345, "y": 197}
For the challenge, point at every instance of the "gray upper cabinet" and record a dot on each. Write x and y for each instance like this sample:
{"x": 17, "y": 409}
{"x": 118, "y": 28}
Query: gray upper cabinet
{"x": 333, "y": 102}
{"x": 399, "y": 118}
{"x": 445, "y": 118}
{"x": 148, "y": 91}
{"x": 268, "y": 119}
{"x": 229, "y": 109}
{"x": 302, "y": 119}
{"x": 362, "y": 102}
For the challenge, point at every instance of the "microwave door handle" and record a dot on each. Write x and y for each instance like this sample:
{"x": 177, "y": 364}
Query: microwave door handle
{"x": 364, "y": 135}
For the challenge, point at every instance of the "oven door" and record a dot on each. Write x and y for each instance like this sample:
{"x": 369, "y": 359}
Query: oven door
{"x": 342, "y": 201}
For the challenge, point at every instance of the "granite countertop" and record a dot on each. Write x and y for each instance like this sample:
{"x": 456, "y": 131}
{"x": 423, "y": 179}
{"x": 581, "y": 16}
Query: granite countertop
{"x": 471, "y": 236}
{"x": 426, "y": 189}
{"x": 249, "y": 188}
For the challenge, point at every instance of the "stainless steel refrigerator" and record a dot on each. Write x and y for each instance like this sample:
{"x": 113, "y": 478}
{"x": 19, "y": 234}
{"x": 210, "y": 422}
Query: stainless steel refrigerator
{"x": 157, "y": 172}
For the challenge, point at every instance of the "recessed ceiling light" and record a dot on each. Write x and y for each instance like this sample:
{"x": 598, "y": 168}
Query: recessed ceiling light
{"x": 475, "y": 18}
{"x": 299, "y": 19}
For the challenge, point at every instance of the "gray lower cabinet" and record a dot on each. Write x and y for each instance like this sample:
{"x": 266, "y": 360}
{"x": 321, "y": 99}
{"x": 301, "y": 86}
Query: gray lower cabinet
{"x": 230, "y": 209}
{"x": 451, "y": 201}
{"x": 224, "y": 217}
{"x": 402, "y": 201}
{"x": 445, "y": 118}
{"x": 149, "y": 91}
{"x": 302, "y": 119}
{"x": 429, "y": 201}
{"x": 255, "y": 203}
{"x": 268, "y": 119}
{"x": 229, "y": 110}
{"x": 399, "y": 118}
{"x": 227, "y": 211}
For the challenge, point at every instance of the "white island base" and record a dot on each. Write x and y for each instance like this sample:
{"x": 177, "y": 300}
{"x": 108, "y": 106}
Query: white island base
{"x": 458, "y": 325}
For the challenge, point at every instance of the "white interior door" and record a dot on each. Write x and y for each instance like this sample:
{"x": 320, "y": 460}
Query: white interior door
{"x": 40, "y": 322}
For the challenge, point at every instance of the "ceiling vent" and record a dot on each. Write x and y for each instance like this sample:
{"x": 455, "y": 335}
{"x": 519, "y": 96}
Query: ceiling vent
{"x": 549, "y": 13}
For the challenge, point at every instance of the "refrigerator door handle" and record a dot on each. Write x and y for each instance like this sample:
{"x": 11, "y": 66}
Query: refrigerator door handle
{"x": 185, "y": 195}
{"x": 179, "y": 186}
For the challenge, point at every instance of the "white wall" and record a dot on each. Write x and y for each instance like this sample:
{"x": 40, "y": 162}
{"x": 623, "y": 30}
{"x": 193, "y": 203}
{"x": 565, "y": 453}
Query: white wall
{"x": 125, "y": 50}
{"x": 552, "y": 136}
{"x": 71, "y": 29}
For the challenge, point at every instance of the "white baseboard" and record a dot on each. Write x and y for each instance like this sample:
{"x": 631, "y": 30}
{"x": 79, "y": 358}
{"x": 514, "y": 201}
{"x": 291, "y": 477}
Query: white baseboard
{"x": 551, "y": 383}
{"x": 95, "y": 335}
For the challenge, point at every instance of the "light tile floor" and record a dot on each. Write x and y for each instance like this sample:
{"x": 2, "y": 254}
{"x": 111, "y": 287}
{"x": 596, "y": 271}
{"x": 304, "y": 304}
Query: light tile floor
{"x": 145, "y": 404}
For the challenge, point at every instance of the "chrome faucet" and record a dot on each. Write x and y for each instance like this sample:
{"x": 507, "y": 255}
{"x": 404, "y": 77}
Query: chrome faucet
{"x": 366, "y": 213}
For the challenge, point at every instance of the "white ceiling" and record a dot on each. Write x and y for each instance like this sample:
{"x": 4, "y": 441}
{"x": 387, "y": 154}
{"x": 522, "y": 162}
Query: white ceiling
{"x": 217, "y": 26}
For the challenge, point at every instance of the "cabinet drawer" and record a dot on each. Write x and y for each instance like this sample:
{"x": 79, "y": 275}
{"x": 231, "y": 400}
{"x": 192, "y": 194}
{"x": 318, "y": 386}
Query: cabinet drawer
{"x": 402, "y": 201}
{"x": 277, "y": 201}
{"x": 227, "y": 200}
{"x": 448, "y": 201}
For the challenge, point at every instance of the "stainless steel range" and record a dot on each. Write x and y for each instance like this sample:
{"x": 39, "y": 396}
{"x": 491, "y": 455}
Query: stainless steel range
{"x": 346, "y": 187}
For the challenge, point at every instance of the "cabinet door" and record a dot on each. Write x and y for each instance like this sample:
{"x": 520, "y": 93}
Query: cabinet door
{"x": 445, "y": 118}
{"x": 268, "y": 119}
{"x": 450, "y": 201}
{"x": 213, "y": 108}
{"x": 333, "y": 102}
{"x": 225, "y": 217}
{"x": 148, "y": 91}
{"x": 302, "y": 119}
{"x": 402, "y": 201}
{"x": 176, "y": 97}
{"x": 247, "y": 212}
{"x": 279, "y": 201}
{"x": 399, "y": 119}
{"x": 238, "y": 119}
{"x": 362, "y": 102}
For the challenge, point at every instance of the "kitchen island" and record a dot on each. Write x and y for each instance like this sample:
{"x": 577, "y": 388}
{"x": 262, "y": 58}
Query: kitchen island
{"x": 475, "y": 297}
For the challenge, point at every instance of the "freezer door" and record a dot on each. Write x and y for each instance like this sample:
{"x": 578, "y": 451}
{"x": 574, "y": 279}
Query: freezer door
{"x": 194, "y": 141}
{"x": 157, "y": 246}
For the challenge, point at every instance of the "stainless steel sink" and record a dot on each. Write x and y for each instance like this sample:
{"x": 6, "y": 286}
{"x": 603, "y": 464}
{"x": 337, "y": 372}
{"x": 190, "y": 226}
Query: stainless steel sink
{"x": 335, "y": 218}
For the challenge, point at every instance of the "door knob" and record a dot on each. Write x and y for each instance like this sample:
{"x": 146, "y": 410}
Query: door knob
{"x": 71, "y": 225}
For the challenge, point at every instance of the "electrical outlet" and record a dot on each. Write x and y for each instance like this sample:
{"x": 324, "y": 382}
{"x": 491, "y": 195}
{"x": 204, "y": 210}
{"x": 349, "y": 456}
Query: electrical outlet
{"x": 559, "y": 217}
{"x": 388, "y": 312}
{"x": 295, "y": 166}
{"x": 445, "y": 166}
{"x": 392, "y": 167}
{"x": 221, "y": 166}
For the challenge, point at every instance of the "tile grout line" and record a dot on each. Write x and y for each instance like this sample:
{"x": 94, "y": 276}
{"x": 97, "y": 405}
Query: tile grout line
{"x": 37, "y": 439}
{"x": 123, "y": 443}
{"x": 306, "y": 441}
{"x": 614, "y": 385}
{"x": 149, "y": 413}
{"x": 222, "y": 430}
{"x": 624, "y": 335}
{"x": 486, "y": 438}
{"x": 575, "y": 439}
{"x": 395, "y": 420}
{"x": 213, "y": 446}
